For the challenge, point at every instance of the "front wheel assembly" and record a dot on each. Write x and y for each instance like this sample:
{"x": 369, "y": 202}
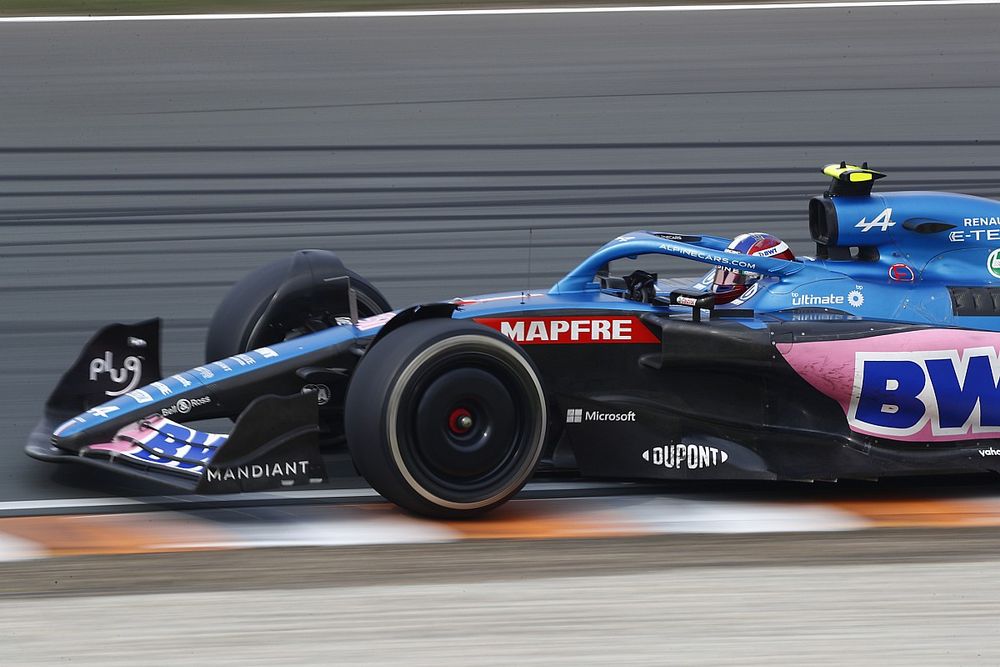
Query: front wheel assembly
{"x": 293, "y": 296}
{"x": 446, "y": 418}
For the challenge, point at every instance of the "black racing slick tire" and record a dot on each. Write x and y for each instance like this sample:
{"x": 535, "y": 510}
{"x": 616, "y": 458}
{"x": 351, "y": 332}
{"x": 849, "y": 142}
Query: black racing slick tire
{"x": 240, "y": 310}
{"x": 446, "y": 418}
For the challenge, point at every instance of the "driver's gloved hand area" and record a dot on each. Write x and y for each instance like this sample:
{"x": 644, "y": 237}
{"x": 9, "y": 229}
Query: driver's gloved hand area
{"x": 640, "y": 286}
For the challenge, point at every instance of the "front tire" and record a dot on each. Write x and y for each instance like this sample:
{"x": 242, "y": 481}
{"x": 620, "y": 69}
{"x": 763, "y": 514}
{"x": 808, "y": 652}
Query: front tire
{"x": 236, "y": 317}
{"x": 446, "y": 418}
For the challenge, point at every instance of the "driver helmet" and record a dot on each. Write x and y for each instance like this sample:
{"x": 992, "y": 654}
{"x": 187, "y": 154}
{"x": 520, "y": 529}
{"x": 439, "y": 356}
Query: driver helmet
{"x": 728, "y": 283}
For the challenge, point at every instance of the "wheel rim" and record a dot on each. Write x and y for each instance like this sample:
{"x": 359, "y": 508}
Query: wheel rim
{"x": 463, "y": 424}
{"x": 467, "y": 467}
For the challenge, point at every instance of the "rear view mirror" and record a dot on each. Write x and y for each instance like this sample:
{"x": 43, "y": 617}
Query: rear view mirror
{"x": 694, "y": 299}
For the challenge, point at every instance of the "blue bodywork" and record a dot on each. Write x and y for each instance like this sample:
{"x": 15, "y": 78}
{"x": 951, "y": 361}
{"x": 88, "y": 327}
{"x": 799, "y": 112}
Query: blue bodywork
{"x": 911, "y": 248}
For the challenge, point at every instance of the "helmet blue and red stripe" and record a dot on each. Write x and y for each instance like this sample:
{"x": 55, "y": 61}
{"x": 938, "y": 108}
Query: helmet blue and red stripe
{"x": 729, "y": 284}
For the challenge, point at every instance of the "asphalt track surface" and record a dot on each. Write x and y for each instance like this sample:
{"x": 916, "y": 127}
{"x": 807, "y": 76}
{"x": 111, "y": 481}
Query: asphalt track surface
{"x": 144, "y": 167}
{"x": 892, "y": 598}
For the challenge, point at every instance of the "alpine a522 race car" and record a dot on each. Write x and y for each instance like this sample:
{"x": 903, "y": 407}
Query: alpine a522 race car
{"x": 877, "y": 357}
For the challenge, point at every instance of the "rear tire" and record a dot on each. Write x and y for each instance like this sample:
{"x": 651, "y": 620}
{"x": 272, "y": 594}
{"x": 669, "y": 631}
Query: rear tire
{"x": 446, "y": 418}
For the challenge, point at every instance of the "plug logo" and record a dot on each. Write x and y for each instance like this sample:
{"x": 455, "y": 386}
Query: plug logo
{"x": 128, "y": 375}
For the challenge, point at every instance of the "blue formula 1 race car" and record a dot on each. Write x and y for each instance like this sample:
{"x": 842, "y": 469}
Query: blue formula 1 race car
{"x": 877, "y": 357}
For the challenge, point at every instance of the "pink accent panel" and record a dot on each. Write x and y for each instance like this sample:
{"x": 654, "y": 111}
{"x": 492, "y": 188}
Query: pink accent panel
{"x": 157, "y": 421}
{"x": 830, "y": 367}
{"x": 135, "y": 431}
{"x": 119, "y": 447}
{"x": 143, "y": 430}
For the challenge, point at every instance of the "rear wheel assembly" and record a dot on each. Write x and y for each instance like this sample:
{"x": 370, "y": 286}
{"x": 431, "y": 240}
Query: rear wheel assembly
{"x": 445, "y": 418}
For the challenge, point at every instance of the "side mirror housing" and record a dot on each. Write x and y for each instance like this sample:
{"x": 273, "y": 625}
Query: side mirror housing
{"x": 693, "y": 299}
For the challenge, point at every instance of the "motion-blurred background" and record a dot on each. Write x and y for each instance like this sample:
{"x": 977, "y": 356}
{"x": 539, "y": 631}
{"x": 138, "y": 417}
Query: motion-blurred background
{"x": 145, "y": 166}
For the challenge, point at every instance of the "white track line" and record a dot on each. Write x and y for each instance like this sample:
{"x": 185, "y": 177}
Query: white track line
{"x": 500, "y": 12}
{"x": 299, "y": 495}
{"x": 83, "y": 503}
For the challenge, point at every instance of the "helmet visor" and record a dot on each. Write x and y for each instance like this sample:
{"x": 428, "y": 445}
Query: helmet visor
{"x": 726, "y": 277}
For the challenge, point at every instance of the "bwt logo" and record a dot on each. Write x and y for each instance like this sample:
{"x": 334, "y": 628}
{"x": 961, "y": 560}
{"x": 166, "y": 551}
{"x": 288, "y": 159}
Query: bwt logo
{"x": 900, "y": 393}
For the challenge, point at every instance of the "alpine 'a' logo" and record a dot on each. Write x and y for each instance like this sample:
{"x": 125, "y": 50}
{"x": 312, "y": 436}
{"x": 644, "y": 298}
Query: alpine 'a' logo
{"x": 883, "y": 222}
{"x": 540, "y": 330}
